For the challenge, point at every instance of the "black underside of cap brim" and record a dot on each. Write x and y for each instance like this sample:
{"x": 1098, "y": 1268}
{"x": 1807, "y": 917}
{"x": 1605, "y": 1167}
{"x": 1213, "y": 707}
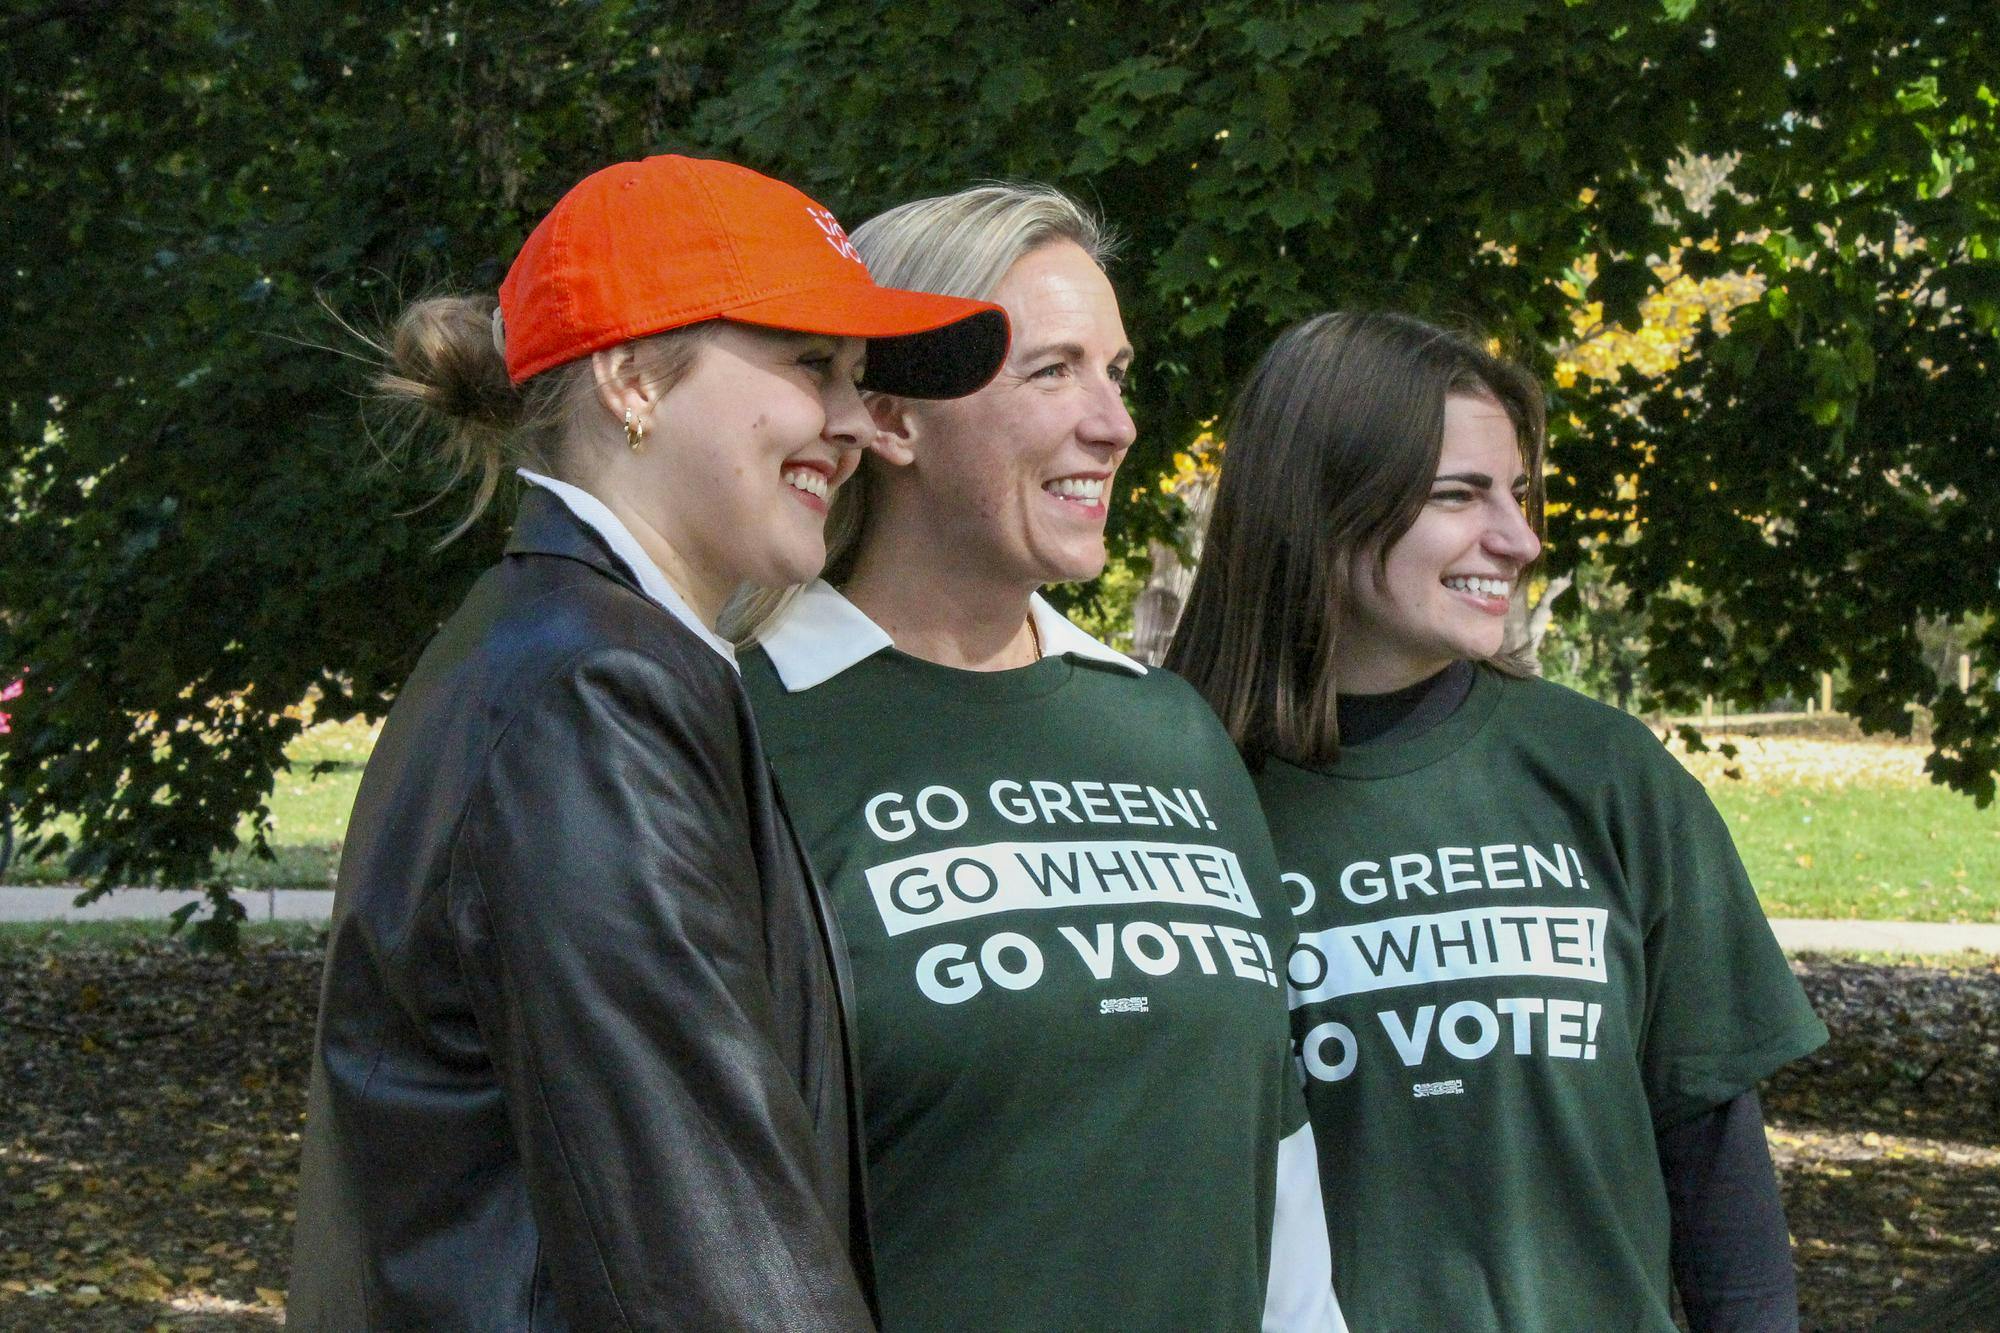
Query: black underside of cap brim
{"x": 944, "y": 363}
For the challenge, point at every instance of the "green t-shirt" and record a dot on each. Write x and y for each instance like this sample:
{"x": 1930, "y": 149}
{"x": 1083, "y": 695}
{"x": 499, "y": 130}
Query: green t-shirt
{"x": 1525, "y": 943}
{"x": 1066, "y": 928}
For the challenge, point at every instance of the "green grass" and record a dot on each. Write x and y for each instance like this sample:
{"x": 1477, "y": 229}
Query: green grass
{"x": 1884, "y": 853}
{"x": 308, "y": 817}
{"x": 1849, "y": 838}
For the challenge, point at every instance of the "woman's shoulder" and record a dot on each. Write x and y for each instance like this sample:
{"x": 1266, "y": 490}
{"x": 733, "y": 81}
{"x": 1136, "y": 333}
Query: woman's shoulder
{"x": 1622, "y": 754}
{"x": 1165, "y": 690}
{"x": 1572, "y": 717}
{"x": 1163, "y": 707}
{"x": 536, "y": 622}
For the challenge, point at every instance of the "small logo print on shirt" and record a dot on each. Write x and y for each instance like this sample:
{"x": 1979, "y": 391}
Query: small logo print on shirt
{"x": 1450, "y": 1087}
{"x": 1125, "y": 1004}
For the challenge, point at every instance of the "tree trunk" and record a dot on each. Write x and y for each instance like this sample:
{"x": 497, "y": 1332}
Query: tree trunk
{"x": 1158, "y": 608}
{"x": 1526, "y": 625}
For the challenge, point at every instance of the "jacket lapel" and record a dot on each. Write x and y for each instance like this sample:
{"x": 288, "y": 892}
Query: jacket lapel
{"x": 544, "y": 525}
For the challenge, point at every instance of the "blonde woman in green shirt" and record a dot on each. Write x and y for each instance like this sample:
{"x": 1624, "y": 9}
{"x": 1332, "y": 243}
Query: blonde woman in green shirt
{"x": 1063, "y": 914}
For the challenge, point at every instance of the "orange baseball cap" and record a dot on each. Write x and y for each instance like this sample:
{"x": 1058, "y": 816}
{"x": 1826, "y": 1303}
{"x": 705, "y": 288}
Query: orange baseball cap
{"x": 643, "y": 247}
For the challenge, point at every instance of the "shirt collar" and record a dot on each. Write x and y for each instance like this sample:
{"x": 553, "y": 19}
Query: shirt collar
{"x": 821, "y": 634}
{"x": 1060, "y": 638}
{"x": 596, "y": 515}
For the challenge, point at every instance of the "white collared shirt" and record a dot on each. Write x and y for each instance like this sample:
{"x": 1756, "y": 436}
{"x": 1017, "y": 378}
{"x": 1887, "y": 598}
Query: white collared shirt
{"x": 821, "y": 634}
{"x": 597, "y": 516}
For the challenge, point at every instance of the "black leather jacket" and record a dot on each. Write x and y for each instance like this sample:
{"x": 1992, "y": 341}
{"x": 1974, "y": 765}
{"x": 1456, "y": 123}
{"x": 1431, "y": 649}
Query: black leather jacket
{"x": 583, "y": 1055}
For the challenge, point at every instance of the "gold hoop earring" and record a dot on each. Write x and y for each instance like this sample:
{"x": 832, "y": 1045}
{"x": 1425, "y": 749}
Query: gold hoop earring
{"x": 635, "y": 434}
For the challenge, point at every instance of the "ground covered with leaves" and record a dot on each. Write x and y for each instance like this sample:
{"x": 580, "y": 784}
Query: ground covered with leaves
{"x": 1888, "y": 1138}
{"x": 150, "y": 1105}
{"x": 150, "y": 1102}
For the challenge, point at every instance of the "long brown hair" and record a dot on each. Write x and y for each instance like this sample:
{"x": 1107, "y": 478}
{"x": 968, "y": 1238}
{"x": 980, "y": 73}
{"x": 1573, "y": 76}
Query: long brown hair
{"x": 1329, "y": 452}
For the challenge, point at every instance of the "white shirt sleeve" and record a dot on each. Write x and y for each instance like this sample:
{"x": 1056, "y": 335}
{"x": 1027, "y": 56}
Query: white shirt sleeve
{"x": 1299, "y": 1297}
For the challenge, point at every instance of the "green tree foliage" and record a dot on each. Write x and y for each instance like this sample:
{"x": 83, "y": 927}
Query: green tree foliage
{"x": 200, "y": 528}
{"x": 1824, "y": 477}
{"x": 200, "y": 525}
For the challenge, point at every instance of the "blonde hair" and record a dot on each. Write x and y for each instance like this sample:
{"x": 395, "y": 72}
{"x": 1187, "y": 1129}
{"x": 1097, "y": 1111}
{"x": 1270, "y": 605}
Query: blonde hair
{"x": 959, "y": 244}
{"x": 442, "y": 359}
{"x": 963, "y": 244}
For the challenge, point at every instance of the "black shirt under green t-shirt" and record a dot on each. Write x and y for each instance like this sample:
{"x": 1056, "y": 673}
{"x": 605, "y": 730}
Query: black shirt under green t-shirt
{"x": 1067, "y": 933}
{"x": 1526, "y": 943}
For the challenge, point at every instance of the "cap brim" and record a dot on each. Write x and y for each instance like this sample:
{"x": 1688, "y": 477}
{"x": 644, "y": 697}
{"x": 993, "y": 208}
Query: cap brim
{"x": 920, "y": 345}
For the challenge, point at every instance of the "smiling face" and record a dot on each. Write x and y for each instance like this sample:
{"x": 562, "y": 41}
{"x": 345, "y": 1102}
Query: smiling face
{"x": 1448, "y": 581}
{"x": 740, "y": 455}
{"x": 1011, "y": 484}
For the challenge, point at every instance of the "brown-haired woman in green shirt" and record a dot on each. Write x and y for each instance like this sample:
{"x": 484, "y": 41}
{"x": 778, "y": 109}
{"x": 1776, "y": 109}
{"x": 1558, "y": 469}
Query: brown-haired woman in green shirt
{"x": 1533, "y": 991}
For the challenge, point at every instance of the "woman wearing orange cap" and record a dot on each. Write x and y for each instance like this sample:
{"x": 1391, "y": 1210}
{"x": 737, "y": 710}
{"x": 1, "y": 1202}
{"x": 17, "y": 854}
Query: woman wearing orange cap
{"x": 582, "y": 1059}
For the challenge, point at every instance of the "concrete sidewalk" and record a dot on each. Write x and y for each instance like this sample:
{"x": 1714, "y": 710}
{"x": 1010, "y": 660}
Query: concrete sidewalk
{"x": 1886, "y": 937}
{"x": 55, "y": 903}
{"x": 37, "y": 903}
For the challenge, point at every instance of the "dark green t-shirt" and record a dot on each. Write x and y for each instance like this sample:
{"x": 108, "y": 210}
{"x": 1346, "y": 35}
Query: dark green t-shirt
{"x": 1525, "y": 943}
{"x": 1067, "y": 933}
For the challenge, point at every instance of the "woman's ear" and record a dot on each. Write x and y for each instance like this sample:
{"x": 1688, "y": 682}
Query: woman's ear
{"x": 895, "y": 429}
{"x": 620, "y": 386}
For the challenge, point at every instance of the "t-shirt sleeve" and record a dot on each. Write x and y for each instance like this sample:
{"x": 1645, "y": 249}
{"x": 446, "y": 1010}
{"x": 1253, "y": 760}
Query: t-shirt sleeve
{"x": 1723, "y": 1008}
{"x": 1298, "y": 1296}
{"x": 1295, "y": 1113}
